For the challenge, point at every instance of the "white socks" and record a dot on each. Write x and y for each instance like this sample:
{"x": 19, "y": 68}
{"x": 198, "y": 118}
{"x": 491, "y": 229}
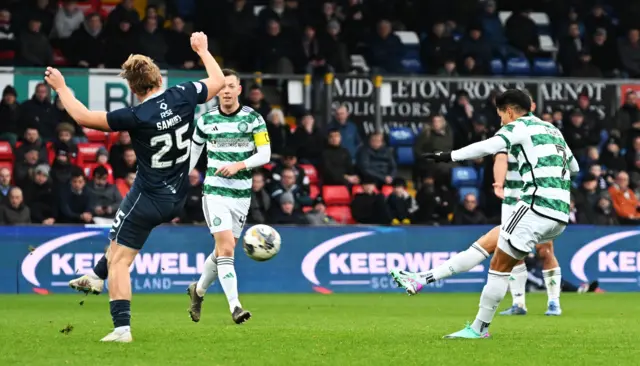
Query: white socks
{"x": 492, "y": 294}
{"x": 228, "y": 280}
{"x": 518, "y": 283}
{"x": 209, "y": 275}
{"x": 459, "y": 263}
{"x": 553, "y": 282}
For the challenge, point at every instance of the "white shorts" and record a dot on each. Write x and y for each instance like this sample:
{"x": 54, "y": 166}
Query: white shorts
{"x": 524, "y": 229}
{"x": 506, "y": 211}
{"x": 222, "y": 213}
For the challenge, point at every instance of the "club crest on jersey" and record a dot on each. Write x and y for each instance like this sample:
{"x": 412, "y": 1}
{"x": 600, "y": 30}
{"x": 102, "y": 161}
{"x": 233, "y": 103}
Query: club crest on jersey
{"x": 217, "y": 221}
{"x": 243, "y": 126}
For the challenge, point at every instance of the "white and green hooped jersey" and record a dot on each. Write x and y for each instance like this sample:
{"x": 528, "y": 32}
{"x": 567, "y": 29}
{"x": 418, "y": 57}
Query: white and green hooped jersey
{"x": 513, "y": 182}
{"x": 230, "y": 138}
{"x": 544, "y": 163}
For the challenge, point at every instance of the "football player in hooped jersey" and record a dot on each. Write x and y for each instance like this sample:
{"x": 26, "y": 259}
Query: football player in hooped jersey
{"x": 161, "y": 128}
{"x": 237, "y": 141}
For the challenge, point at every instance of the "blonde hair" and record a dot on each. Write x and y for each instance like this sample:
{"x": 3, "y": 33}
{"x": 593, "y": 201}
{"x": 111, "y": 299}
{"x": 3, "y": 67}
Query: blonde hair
{"x": 276, "y": 112}
{"x": 141, "y": 73}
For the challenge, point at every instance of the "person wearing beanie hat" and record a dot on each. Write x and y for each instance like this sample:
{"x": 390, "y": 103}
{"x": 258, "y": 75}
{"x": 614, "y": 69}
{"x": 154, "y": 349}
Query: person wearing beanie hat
{"x": 401, "y": 205}
{"x": 102, "y": 155}
{"x": 318, "y": 216}
{"x": 40, "y": 196}
{"x": 9, "y": 116}
{"x": 287, "y": 214}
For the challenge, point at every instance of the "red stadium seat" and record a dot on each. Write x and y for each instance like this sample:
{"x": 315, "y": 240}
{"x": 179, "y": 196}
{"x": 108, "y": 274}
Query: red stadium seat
{"x": 7, "y": 55}
{"x": 269, "y": 166}
{"x": 51, "y": 153}
{"x": 6, "y": 154}
{"x": 358, "y": 189}
{"x": 87, "y": 153}
{"x": 311, "y": 173}
{"x": 341, "y": 214}
{"x": 336, "y": 195}
{"x": 307, "y": 209}
{"x": 18, "y": 144}
{"x": 387, "y": 190}
{"x": 88, "y": 169}
{"x": 112, "y": 139}
{"x": 95, "y": 136}
{"x": 314, "y": 191}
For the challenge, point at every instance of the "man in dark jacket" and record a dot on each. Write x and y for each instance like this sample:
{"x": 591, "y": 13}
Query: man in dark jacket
{"x": 39, "y": 112}
{"x": 460, "y": 117}
{"x": 308, "y": 140}
{"x": 386, "y": 49}
{"x": 9, "y": 116}
{"x": 469, "y": 213}
{"x": 587, "y": 196}
{"x": 376, "y": 161}
{"x": 40, "y": 197}
{"x": 437, "y": 48}
{"x": 290, "y": 161}
{"x": 34, "y": 47}
{"x": 192, "y": 212}
{"x": 260, "y": 200}
{"x": 522, "y": 32}
{"x": 435, "y": 137}
{"x": 151, "y": 42}
{"x": 318, "y": 216}
{"x": 626, "y": 124}
{"x": 24, "y": 169}
{"x": 179, "y": 53}
{"x": 350, "y": 136}
{"x": 401, "y": 205}
{"x": 287, "y": 184}
{"x": 31, "y": 141}
{"x": 104, "y": 197}
{"x": 5, "y": 185}
{"x": 578, "y": 134}
{"x": 435, "y": 203}
{"x": 62, "y": 169}
{"x": 75, "y": 201}
{"x": 123, "y": 11}
{"x": 287, "y": 213}
{"x": 476, "y": 46}
{"x": 16, "y": 212}
{"x": 369, "y": 207}
{"x": 88, "y": 43}
{"x": 337, "y": 166}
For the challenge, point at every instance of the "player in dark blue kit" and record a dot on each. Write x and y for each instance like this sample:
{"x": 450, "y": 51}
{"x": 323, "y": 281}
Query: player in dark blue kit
{"x": 161, "y": 128}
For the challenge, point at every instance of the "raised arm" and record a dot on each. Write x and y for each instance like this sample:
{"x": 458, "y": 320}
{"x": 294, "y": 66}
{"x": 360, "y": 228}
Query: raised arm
{"x": 215, "y": 78}
{"x": 479, "y": 149}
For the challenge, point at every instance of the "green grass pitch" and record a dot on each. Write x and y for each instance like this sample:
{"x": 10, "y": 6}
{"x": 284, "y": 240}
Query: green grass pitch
{"x": 344, "y": 329}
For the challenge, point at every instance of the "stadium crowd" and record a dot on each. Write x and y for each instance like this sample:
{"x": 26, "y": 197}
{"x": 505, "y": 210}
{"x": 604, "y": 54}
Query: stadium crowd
{"x": 52, "y": 171}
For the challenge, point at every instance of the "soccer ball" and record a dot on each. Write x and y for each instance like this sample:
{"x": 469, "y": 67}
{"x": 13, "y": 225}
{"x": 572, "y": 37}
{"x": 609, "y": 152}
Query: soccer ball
{"x": 261, "y": 242}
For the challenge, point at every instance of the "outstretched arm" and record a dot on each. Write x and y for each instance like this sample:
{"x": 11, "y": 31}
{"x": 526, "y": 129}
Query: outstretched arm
{"x": 83, "y": 116}
{"x": 479, "y": 149}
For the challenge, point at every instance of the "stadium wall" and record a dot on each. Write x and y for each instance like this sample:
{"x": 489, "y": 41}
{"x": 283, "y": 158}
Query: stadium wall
{"x": 42, "y": 259}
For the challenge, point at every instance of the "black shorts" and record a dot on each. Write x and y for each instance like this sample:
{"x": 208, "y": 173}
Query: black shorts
{"x": 138, "y": 215}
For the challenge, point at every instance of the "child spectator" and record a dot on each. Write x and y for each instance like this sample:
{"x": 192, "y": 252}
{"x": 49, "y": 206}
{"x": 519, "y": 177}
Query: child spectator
{"x": 401, "y": 205}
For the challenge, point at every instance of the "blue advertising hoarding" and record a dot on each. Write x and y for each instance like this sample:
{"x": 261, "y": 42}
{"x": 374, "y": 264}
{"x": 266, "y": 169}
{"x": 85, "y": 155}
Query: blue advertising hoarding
{"x": 321, "y": 259}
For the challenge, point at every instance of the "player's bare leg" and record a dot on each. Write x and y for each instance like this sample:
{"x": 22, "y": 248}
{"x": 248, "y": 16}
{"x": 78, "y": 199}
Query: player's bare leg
{"x": 552, "y": 277}
{"x": 92, "y": 282}
{"x": 459, "y": 263}
{"x": 119, "y": 260}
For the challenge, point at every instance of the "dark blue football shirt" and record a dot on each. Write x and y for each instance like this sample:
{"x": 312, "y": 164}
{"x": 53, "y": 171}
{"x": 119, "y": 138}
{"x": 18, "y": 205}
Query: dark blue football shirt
{"x": 161, "y": 129}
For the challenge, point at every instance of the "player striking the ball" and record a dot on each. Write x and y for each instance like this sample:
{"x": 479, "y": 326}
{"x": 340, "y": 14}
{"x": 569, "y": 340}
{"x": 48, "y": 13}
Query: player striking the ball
{"x": 545, "y": 163}
{"x": 232, "y": 133}
{"x": 508, "y": 185}
{"x": 161, "y": 128}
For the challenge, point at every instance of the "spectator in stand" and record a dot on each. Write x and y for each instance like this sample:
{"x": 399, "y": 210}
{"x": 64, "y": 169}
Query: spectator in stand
{"x": 435, "y": 203}
{"x": 32, "y": 141}
{"x": 309, "y": 141}
{"x": 592, "y": 117}
{"x": 16, "y": 212}
{"x": 274, "y": 51}
{"x": 44, "y": 10}
{"x": 598, "y": 19}
{"x": 576, "y": 214}
{"x": 334, "y": 49}
{"x": 327, "y": 15}
{"x": 152, "y": 12}
{"x": 585, "y": 68}
{"x": 369, "y": 206}
{"x": 179, "y": 53}
{"x": 34, "y": 47}
{"x": 437, "y": 48}
{"x": 116, "y": 154}
{"x": 88, "y": 44}
{"x": 522, "y": 32}
{"x": 287, "y": 214}
{"x": 40, "y": 197}
{"x": 488, "y": 112}
{"x": 578, "y": 134}
{"x": 318, "y": 215}
{"x": 22, "y": 170}
{"x": 260, "y": 200}
{"x": 8, "y": 38}
{"x": 279, "y": 133}
{"x": 596, "y": 170}
{"x": 128, "y": 164}
{"x": 257, "y": 102}
{"x": 105, "y": 197}
{"x": 350, "y": 136}
{"x": 558, "y": 118}
{"x": 337, "y": 167}
{"x": 354, "y": 24}
{"x": 39, "y": 112}
{"x": 124, "y": 185}
{"x": 570, "y": 49}
{"x": 625, "y": 203}
{"x": 629, "y": 50}
{"x": 192, "y": 212}
{"x": 9, "y": 115}
{"x": 121, "y": 42}
{"x": 604, "y": 54}
{"x": 436, "y": 136}
{"x": 62, "y": 169}
{"x": 75, "y": 201}
{"x": 290, "y": 161}
{"x": 604, "y": 213}
{"x": 449, "y": 69}
{"x": 492, "y": 27}
{"x": 386, "y": 49}
{"x": 287, "y": 184}
{"x": 102, "y": 156}
{"x": 469, "y": 213}
{"x": 612, "y": 158}
{"x": 278, "y": 12}
{"x": 401, "y": 205}
{"x": 476, "y": 46}
{"x": 633, "y": 158}
{"x": 65, "y": 137}
{"x": 587, "y": 196}
{"x": 5, "y": 185}
{"x": 310, "y": 53}
{"x": 470, "y": 67}
{"x": 241, "y": 25}
{"x": 627, "y": 121}
{"x": 376, "y": 161}
{"x": 124, "y": 11}
{"x": 460, "y": 118}
{"x": 69, "y": 18}
{"x": 152, "y": 42}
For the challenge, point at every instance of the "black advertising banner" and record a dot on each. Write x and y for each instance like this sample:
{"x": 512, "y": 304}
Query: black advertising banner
{"x": 564, "y": 95}
{"x": 414, "y": 100}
